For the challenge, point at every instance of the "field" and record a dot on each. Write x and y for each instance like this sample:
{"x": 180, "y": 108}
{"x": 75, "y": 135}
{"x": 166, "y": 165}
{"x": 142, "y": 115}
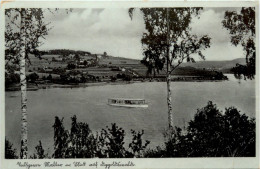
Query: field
{"x": 109, "y": 66}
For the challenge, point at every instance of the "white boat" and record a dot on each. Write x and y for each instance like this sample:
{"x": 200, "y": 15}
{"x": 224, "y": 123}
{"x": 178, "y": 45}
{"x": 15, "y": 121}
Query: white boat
{"x": 121, "y": 102}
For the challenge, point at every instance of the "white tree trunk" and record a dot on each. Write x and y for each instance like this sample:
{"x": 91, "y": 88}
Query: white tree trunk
{"x": 24, "y": 130}
{"x": 169, "y": 100}
{"x": 168, "y": 76}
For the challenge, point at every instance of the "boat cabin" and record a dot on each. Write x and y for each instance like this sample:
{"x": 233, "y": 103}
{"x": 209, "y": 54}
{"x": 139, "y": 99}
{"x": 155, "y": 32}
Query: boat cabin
{"x": 127, "y": 102}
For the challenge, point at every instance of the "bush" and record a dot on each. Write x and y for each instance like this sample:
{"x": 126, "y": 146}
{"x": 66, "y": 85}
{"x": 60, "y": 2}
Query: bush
{"x": 10, "y": 152}
{"x": 33, "y": 77}
{"x": 71, "y": 66}
{"x": 81, "y": 143}
{"x": 11, "y": 78}
{"x": 49, "y": 77}
{"x": 58, "y": 70}
{"x": 128, "y": 78}
{"x": 113, "y": 78}
{"x": 40, "y": 152}
{"x": 213, "y": 134}
{"x": 247, "y": 71}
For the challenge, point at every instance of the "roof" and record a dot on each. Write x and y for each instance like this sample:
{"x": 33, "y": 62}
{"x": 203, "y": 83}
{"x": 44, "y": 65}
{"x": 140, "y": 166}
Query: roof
{"x": 125, "y": 99}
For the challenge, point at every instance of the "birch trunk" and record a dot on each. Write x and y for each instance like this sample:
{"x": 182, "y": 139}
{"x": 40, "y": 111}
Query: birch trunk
{"x": 169, "y": 99}
{"x": 168, "y": 75}
{"x": 24, "y": 130}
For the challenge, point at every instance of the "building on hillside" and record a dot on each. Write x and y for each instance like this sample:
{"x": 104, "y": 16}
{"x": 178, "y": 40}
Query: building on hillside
{"x": 59, "y": 59}
{"x": 71, "y": 56}
{"x": 48, "y": 70}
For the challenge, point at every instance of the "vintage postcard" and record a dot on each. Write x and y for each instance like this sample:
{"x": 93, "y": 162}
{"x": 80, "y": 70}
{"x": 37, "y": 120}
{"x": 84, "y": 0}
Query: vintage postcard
{"x": 139, "y": 84}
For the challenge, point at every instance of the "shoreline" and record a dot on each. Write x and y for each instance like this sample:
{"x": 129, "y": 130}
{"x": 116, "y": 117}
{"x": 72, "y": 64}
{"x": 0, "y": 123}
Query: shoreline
{"x": 34, "y": 87}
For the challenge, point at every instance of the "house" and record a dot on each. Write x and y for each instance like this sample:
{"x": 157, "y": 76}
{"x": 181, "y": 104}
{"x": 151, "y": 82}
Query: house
{"x": 71, "y": 56}
{"x": 81, "y": 61}
{"x": 48, "y": 70}
{"x": 59, "y": 59}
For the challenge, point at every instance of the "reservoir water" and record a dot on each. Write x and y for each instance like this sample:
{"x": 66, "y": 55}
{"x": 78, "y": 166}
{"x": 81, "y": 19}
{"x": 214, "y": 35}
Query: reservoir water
{"x": 89, "y": 104}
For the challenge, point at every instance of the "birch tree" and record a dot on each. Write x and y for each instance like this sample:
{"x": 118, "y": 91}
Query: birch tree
{"x": 241, "y": 26}
{"x": 24, "y": 29}
{"x": 168, "y": 42}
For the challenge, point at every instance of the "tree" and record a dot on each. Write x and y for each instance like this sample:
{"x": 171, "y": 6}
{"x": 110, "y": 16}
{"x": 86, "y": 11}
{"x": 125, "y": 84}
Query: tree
{"x": 23, "y": 39}
{"x": 213, "y": 134}
{"x": 80, "y": 142}
{"x": 24, "y": 30}
{"x": 77, "y": 57}
{"x": 40, "y": 152}
{"x": 49, "y": 77}
{"x": 10, "y": 152}
{"x": 33, "y": 77}
{"x": 53, "y": 59}
{"x": 167, "y": 42}
{"x": 241, "y": 27}
{"x": 71, "y": 66}
{"x": 11, "y": 78}
{"x": 60, "y": 138}
{"x": 105, "y": 54}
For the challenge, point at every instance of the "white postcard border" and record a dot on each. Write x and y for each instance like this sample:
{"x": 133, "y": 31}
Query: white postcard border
{"x": 245, "y": 162}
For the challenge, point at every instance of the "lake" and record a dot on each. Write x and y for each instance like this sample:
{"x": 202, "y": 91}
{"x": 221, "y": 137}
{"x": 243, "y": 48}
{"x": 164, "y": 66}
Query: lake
{"x": 89, "y": 104}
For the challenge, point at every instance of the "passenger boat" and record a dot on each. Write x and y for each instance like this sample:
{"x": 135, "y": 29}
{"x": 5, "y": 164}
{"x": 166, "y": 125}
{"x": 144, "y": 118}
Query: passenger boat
{"x": 121, "y": 102}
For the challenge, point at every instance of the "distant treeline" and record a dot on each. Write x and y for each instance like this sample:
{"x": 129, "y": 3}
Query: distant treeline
{"x": 10, "y": 54}
{"x": 211, "y": 133}
{"x": 66, "y": 52}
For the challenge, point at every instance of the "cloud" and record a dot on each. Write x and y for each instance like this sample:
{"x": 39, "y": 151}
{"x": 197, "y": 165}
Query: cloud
{"x": 98, "y": 30}
{"x": 112, "y": 30}
{"x": 210, "y": 23}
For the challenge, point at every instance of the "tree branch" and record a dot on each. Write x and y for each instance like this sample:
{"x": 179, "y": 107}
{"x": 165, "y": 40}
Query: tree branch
{"x": 177, "y": 65}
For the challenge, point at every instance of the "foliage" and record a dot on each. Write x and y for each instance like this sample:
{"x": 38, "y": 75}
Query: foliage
{"x": 113, "y": 78}
{"x": 71, "y": 66}
{"x": 240, "y": 133}
{"x": 128, "y": 78}
{"x": 24, "y": 29}
{"x": 60, "y": 139}
{"x": 76, "y": 57}
{"x": 11, "y": 68}
{"x": 40, "y": 152}
{"x": 168, "y": 42}
{"x": 58, "y": 70}
{"x": 49, "y": 77}
{"x": 10, "y": 152}
{"x": 66, "y": 52}
{"x": 64, "y": 77}
{"x": 53, "y": 59}
{"x": 241, "y": 27}
{"x": 11, "y": 78}
{"x": 78, "y": 139}
{"x": 114, "y": 141}
{"x": 81, "y": 143}
{"x": 168, "y": 39}
{"x": 33, "y": 77}
{"x": 36, "y": 30}
{"x": 137, "y": 143}
{"x": 213, "y": 134}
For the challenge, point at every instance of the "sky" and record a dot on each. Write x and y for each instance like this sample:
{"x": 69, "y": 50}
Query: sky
{"x": 111, "y": 30}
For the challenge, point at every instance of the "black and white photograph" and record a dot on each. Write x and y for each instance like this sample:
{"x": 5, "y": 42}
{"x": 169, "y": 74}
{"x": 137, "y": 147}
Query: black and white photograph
{"x": 161, "y": 82}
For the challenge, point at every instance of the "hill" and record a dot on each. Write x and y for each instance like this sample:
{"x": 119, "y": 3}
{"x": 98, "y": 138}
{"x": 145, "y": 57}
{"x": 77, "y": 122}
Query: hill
{"x": 107, "y": 65}
{"x": 222, "y": 66}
